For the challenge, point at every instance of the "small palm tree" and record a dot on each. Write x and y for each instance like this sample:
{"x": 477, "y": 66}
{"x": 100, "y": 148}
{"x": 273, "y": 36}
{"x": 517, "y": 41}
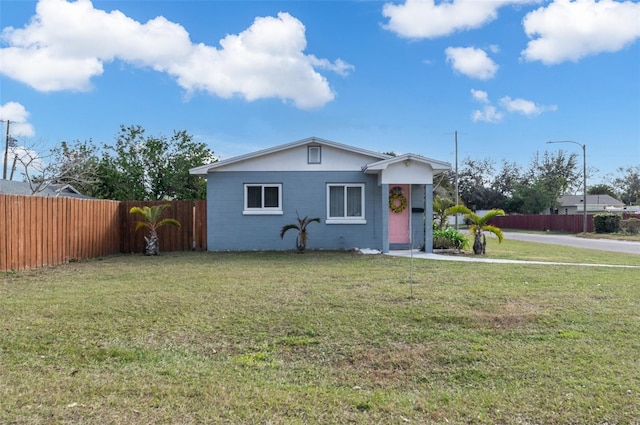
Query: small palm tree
{"x": 479, "y": 225}
{"x": 441, "y": 208}
{"x": 152, "y": 221}
{"x": 301, "y": 227}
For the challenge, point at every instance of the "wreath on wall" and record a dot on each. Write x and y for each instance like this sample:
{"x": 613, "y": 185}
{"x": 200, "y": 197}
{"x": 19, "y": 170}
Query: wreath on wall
{"x": 397, "y": 200}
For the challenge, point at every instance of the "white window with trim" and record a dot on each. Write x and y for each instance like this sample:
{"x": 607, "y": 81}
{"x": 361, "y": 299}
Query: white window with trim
{"x": 262, "y": 199}
{"x": 345, "y": 203}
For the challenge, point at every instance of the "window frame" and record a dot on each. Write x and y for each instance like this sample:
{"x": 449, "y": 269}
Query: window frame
{"x": 314, "y": 158}
{"x": 262, "y": 210}
{"x": 361, "y": 219}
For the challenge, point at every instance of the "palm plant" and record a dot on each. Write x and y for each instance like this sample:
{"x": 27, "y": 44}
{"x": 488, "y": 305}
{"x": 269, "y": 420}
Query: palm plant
{"x": 479, "y": 225}
{"x": 301, "y": 227}
{"x": 152, "y": 220}
{"x": 441, "y": 206}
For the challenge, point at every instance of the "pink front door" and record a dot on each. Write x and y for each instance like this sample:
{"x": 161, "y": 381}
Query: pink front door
{"x": 399, "y": 214}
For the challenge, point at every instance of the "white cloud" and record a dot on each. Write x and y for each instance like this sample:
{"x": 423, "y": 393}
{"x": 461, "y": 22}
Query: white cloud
{"x": 472, "y": 62}
{"x": 570, "y": 30}
{"x": 67, "y": 43}
{"x": 492, "y": 114}
{"x": 426, "y": 19}
{"x": 263, "y": 61}
{"x": 19, "y": 117}
{"x": 488, "y": 114}
{"x": 480, "y": 96}
{"x": 525, "y": 107}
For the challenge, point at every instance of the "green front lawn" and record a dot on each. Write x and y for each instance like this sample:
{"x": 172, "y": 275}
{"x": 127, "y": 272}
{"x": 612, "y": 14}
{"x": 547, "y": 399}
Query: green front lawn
{"x": 321, "y": 338}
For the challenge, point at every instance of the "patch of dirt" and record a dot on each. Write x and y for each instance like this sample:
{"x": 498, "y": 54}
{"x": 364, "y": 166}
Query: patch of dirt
{"x": 512, "y": 314}
{"x": 387, "y": 366}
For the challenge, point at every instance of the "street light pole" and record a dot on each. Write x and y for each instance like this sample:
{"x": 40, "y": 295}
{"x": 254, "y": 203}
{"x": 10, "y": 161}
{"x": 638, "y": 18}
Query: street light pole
{"x": 584, "y": 181}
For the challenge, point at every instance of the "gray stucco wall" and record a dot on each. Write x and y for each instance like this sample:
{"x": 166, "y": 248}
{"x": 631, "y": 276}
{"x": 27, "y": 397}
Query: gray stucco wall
{"x": 303, "y": 192}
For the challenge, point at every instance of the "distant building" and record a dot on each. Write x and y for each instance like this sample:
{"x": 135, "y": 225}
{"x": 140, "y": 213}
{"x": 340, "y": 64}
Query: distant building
{"x": 574, "y": 204}
{"x": 9, "y": 187}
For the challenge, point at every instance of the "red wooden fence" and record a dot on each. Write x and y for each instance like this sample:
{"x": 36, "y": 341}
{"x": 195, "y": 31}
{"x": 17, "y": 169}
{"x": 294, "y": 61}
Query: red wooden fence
{"x": 572, "y": 223}
{"x": 37, "y": 231}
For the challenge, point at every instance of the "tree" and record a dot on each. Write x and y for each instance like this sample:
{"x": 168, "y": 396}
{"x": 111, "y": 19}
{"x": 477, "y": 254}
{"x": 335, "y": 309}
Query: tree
{"x": 627, "y": 184}
{"x": 73, "y": 164}
{"x": 475, "y": 184}
{"x": 507, "y": 178}
{"x": 152, "y": 219}
{"x": 444, "y": 185}
{"x": 549, "y": 176}
{"x": 532, "y": 198}
{"x": 602, "y": 189}
{"x": 140, "y": 167}
{"x": 479, "y": 225}
{"x": 301, "y": 227}
{"x": 32, "y": 167}
{"x": 76, "y": 164}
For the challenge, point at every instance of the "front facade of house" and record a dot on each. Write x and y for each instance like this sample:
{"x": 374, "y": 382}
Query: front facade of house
{"x": 364, "y": 199}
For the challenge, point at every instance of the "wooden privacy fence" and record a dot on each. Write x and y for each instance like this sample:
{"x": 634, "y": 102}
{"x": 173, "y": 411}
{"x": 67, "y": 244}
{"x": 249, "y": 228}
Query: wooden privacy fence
{"x": 38, "y": 231}
{"x": 192, "y": 234}
{"x": 572, "y": 223}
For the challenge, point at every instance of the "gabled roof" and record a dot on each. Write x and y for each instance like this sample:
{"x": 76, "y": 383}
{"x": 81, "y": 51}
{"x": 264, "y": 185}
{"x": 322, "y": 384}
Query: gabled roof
{"x": 572, "y": 200}
{"x": 204, "y": 169}
{"x": 9, "y": 187}
{"x": 438, "y": 166}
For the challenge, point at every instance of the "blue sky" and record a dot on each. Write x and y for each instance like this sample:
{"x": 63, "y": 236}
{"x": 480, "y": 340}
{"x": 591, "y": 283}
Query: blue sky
{"x": 508, "y": 75}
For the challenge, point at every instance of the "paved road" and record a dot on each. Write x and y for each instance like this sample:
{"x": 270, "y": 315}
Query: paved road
{"x": 628, "y": 247}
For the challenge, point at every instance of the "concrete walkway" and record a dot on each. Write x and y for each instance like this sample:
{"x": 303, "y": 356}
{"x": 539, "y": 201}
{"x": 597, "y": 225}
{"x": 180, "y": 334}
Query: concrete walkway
{"x": 448, "y": 257}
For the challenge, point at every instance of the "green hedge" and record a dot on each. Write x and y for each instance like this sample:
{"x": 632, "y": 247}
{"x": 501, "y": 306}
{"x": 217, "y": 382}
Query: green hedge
{"x": 449, "y": 238}
{"x": 631, "y": 226}
{"x": 607, "y": 223}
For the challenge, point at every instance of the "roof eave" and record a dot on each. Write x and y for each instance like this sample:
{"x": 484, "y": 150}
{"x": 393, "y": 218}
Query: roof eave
{"x": 203, "y": 170}
{"x": 437, "y": 166}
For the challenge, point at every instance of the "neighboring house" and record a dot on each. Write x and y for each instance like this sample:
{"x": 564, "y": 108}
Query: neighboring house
{"x": 9, "y": 187}
{"x": 573, "y": 204}
{"x": 250, "y": 198}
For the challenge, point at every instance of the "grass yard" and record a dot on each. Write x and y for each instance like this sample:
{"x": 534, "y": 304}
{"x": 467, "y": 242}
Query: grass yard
{"x": 322, "y": 338}
{"x": 520, "y": 250}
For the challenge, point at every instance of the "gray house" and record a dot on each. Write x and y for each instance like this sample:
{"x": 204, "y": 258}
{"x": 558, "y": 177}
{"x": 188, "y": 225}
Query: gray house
{"x": 364, "y": 199}
{"x": 574, "y": 204}
{"x": 9, "y": 187}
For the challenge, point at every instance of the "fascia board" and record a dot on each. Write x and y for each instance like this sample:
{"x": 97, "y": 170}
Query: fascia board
{"x": 382, "y": 165}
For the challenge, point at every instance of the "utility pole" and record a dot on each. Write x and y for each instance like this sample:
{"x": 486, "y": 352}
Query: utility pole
{"x": 456, "y": 134}
{"x": 13, "y": 167}
{"x": 6, "y": 152}
{"x": 584, "y": 180}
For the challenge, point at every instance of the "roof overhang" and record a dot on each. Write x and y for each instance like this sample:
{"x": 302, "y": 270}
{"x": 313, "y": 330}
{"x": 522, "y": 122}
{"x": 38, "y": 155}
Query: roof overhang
{"x": 407, "y": 159}
{"x": 203, "y": 170}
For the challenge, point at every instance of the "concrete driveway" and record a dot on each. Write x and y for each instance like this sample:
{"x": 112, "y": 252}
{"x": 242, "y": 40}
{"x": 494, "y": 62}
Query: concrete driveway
{"x": 627, "y": 247}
